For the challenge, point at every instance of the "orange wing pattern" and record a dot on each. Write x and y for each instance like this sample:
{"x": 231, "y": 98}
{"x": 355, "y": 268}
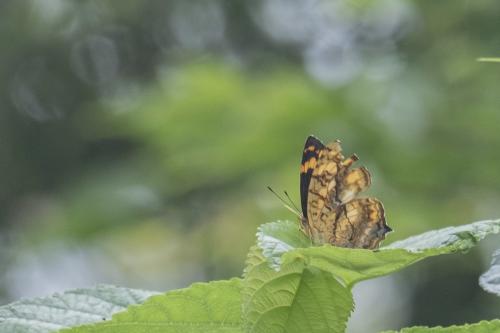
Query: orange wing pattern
{"x": 331, "y": 212}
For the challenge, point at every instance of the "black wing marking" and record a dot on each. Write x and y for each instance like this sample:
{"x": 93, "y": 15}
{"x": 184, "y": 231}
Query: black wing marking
{"x": 310, "y": 154}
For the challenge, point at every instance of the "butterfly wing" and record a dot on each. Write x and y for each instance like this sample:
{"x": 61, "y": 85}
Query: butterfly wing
{"x": 360, "y": 223}
{"x": 312, "y": 148}
{"x": 352, "y": 183}
{"x": 321, "y": 193}
{"x": 331, "y": 212}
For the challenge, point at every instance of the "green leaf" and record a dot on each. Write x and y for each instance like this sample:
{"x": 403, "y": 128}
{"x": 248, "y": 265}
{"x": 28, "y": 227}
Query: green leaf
{"x": 294, "y": 299}
{"x": 291, "y": 286}
{"x": 277, "y": 238}
{"x": 203, "y": 307}
{"x": 460, "y": 238}
{"x": 290, "y": 297}
{"x": 481, "y": 327}
{"x": 490, "y": 280}
{"x": 74, "y": 307}
{"x": 353, "y": 265}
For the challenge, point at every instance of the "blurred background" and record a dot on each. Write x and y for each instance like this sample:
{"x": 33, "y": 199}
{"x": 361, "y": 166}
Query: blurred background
{"x": 137, "y": 138}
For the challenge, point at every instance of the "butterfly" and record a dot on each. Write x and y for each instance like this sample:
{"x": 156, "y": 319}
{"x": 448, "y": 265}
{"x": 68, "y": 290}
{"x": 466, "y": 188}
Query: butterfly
{"x": 331, "y": 211}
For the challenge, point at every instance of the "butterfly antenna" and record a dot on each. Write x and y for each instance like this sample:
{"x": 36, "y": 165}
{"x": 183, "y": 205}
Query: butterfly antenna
{"x": 287, "y": 206}
{"x": 291, "y": 201}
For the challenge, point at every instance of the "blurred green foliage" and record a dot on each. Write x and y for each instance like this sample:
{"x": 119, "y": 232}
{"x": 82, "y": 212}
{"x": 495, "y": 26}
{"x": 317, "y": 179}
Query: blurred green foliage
{"x": 160, "y": 124}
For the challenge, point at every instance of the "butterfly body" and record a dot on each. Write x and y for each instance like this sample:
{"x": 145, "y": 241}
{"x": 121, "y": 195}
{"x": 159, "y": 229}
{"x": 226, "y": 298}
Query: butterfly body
{"x": 331, "y": 213}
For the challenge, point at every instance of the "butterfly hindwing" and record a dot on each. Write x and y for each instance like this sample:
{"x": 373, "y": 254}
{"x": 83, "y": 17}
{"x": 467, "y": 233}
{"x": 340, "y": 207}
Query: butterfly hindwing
{"x": 360, "y": 223}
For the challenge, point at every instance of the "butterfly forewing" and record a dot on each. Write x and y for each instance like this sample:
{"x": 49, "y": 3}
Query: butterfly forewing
{"x": 312, "y": 148}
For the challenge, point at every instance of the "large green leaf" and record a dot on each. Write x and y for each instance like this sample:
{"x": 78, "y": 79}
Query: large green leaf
{"x": 203, "y": 307}
{"x": 294, "y": 299}
{"x": 481, "y": 327}
{"x": 353, "y": 265}
{"x": 291, "y": 286}
{"x": 74, "y": 307}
